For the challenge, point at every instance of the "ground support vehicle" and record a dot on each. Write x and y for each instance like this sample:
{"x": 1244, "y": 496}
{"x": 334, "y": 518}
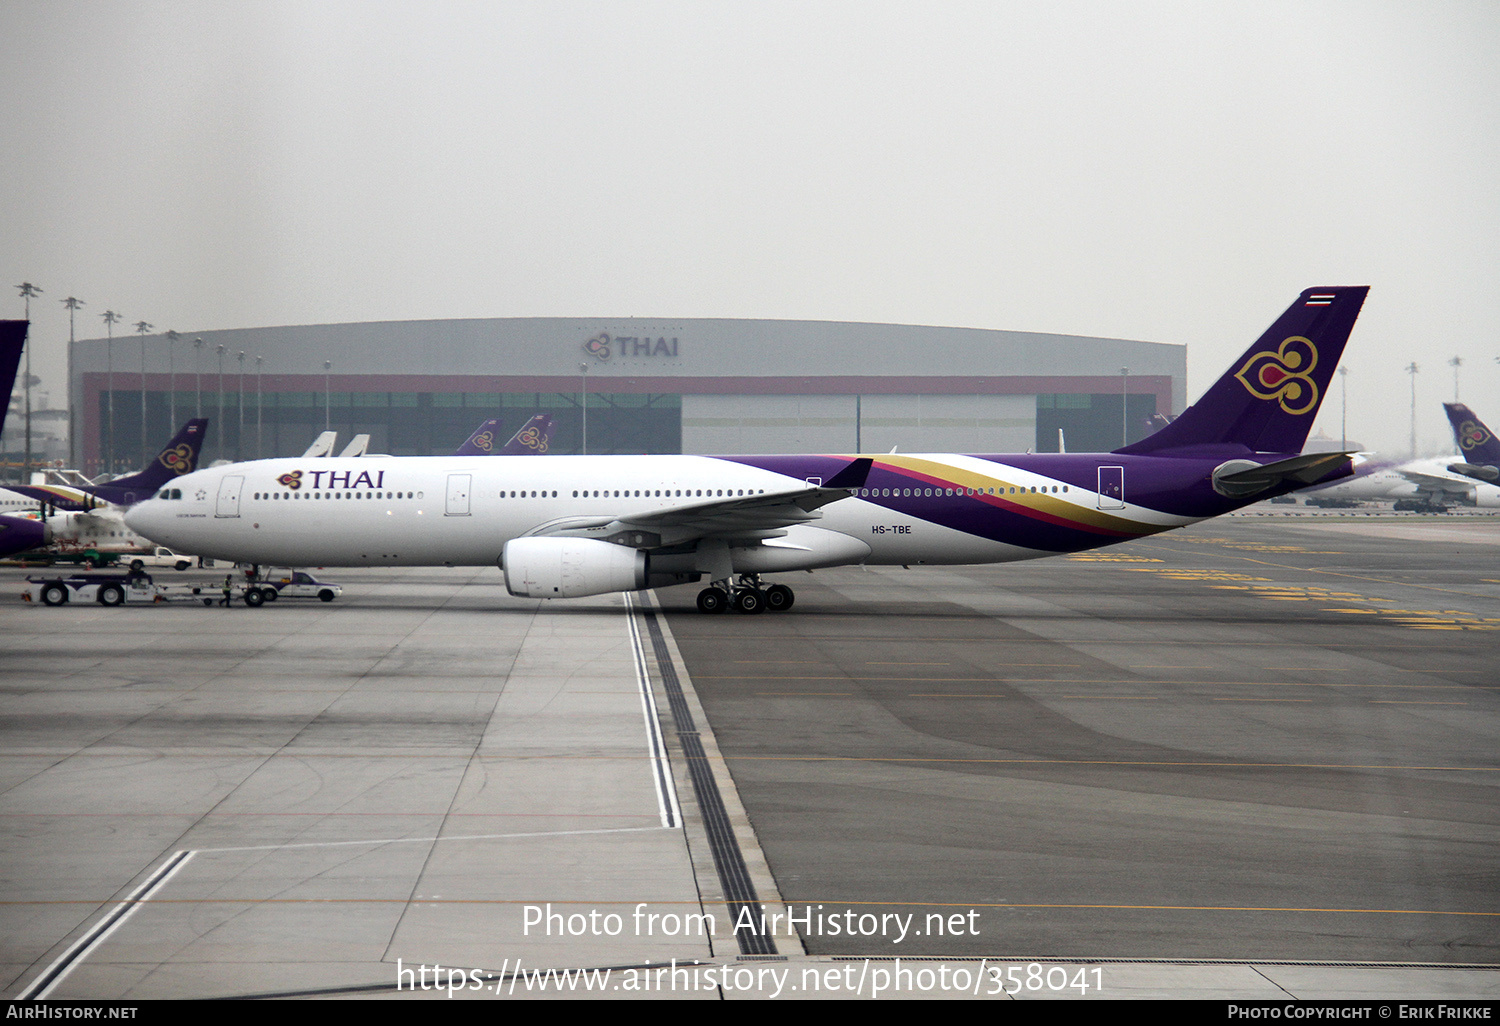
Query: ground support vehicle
{"x": 286, "y": 582}
{"x": 122, "y": 589}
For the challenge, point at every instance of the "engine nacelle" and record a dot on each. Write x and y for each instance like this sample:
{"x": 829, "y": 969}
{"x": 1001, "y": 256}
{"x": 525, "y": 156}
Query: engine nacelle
{"x": 571, "y": 567}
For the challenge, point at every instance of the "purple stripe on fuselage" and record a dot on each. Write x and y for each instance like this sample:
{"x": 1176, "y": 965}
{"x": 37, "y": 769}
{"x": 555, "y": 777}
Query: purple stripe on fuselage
{"x": 1172, "y": 485}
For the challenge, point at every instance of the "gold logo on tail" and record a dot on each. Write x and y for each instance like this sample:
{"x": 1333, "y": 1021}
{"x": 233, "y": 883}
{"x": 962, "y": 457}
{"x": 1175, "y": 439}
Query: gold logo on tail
{"x": 178, "y": 460}
{"x": 532, "y": 439}
{"x": 1285, "y": 375}
{"x": 1472, "y": 435}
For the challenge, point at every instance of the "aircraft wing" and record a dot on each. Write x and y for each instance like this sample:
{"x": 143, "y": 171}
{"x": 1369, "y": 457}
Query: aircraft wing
{"x": 741, "y": 516}
{"x": 1426, "y": 479}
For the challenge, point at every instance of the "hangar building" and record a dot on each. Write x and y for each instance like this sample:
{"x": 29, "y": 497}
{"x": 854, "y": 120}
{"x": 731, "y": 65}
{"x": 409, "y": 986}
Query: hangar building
{"x": 633, "y": 385}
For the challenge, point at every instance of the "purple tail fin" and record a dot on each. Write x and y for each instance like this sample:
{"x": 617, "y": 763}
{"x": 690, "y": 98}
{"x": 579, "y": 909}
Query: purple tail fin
{"x": 481, "y": 442}
{"x": 534, "y": 438}
{"x": 178, "y": 458}
{"x": 1477, "y": 442}
{"x": 12, "y": 341}
{"x": 17, "y": 534}
{"x": 1267, "y": 400}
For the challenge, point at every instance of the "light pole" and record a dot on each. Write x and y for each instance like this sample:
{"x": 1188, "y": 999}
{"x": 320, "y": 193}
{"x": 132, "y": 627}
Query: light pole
{"x": 240, "y": 435}
{"x": 27, "y": 291}
{"x": 260, "y": 449}
{"x": 198, "y": 376}
{"x": 141, "y": 329}
{"x": 327, "y": 399}
{"x": 172, "y": 338}
{"x": 1456, "y": 363}
{"x": 583, "y": 401}
{"x": 110, "y": 320}
{"x": 222, "y": 432}
{"x": 1124, "y": 404}
{"x": 1412, "y": 370}
{"x": 1344, "y": 419}
{"x": 72, "y": 303}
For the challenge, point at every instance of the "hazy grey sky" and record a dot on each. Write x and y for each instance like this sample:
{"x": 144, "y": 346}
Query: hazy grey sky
{"x": 1170, "y": 171}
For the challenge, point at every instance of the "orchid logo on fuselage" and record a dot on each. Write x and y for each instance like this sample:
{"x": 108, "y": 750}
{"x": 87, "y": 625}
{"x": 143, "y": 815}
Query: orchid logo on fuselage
{"x": 1472, "y": 435}
{"x": 1285, "y": 375}
{"x": 178, "y": 460}
{"x": 292, "y": 480}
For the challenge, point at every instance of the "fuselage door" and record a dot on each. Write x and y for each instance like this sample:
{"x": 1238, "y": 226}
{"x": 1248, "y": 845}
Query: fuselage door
{"x": 229, "y": 496}
{"x": 458, "y": 494}
{"x": 1111, "y": 487}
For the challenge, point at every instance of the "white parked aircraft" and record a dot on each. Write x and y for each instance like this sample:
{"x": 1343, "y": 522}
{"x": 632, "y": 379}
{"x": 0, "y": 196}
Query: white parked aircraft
{"x": 1435, "y": 482}
{"x": 564, "y": 526}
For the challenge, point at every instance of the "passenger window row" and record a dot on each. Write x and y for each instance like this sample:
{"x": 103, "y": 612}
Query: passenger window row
{"x": 338, "y": 495}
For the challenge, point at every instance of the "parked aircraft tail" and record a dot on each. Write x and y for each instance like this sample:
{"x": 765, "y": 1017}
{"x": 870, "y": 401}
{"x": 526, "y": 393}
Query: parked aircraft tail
{"x": 1477, "y": 443}
{"x": 1267, "y": 400}
{"x": 178, "y": 458}
{"x": 532, "y": 440}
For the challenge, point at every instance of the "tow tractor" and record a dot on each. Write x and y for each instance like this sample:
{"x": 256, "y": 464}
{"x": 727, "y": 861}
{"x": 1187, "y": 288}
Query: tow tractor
{"x": 120, "y": 589}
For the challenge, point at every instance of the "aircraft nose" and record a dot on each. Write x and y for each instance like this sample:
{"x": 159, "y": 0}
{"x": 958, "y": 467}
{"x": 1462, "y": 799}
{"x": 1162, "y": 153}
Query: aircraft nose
{"x": 145, "y": 518}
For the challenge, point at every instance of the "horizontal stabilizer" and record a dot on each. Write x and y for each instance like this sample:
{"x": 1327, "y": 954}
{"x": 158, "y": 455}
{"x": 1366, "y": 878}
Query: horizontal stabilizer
{"x": 1240, "y": 478}
{"x": 1478, "y": 471}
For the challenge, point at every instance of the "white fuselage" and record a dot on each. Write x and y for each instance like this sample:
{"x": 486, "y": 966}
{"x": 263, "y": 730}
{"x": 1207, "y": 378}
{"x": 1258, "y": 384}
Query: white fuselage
{"x": 100, "y": 530}
{"x": 1425, "y": 477}
{"x": 426, "y": 511}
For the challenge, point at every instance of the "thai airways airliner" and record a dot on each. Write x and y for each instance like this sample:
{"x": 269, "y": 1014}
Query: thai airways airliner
{"x": 566, "y": 526}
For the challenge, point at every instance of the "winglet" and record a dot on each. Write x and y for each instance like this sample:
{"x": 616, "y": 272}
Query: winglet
{"x": 852, "y": 476}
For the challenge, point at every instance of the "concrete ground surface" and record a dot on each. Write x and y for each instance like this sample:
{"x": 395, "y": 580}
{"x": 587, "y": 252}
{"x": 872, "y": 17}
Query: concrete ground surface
{"x": 1254, "y": 760}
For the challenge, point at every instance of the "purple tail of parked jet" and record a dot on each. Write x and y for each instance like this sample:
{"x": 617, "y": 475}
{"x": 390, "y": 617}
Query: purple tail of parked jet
{"x": 17, "y": 534}
{"x": 533, "y": 439}
{"x": 1476, "y": 442}
{"x": 178, "y": 458}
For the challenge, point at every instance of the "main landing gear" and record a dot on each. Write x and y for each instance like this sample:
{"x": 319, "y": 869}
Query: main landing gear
{"x": 747, "y": 596}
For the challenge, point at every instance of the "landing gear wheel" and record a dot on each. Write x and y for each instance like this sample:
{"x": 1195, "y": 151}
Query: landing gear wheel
{"x": 779, "y": 598}
{"x": 749, "y": 600}
{"x": 712, "y": 600}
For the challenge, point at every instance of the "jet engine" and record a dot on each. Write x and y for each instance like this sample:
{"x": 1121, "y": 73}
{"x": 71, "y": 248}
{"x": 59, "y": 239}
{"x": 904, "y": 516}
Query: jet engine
{"x": 570, "y": 567}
